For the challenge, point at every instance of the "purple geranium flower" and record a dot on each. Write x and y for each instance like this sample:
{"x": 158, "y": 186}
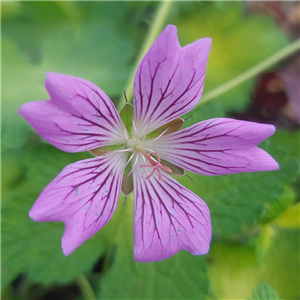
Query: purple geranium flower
{"x": 139, "y": 150}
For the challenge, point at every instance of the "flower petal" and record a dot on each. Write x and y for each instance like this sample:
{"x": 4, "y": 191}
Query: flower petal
{"x": 84, "y": 196}
{"x": 169, "y": 80}
{"x": 167, "y": 218}
{"x": 217, "y": 146}
{"x": 78, "y": 117}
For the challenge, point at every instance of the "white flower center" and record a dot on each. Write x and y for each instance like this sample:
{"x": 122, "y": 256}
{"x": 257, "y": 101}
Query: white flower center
{"x": 135, "y": 145}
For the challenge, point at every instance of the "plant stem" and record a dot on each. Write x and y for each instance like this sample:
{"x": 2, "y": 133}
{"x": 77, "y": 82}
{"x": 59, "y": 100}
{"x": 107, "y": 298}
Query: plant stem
{"x": 85, "y": 288}
{"x": 155, "y": 28}
{"x": 262, "y": 66}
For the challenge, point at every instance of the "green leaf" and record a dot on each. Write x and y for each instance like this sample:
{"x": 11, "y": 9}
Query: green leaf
{"x": 265, "y": 291}
{"x": 96, "y": 50}
{"x": 282, "y": 263}
{"x": 21, "y": 82}
{"x": 32, "y": 24}
{"x": 35, "y": 247}
{"x": 235, "y": 272}
{"x": 238, "y": 43}
{"x": 279, "y": 205}
{"x": 12, "y": 173}
{"x": 44, "y": 162}
{"x": 240, "y": 200}
{"x": 290, "y": 217}
{"x": 182, "y": 276}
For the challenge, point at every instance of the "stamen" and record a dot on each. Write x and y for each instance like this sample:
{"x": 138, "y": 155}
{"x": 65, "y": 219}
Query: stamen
{"x": 147, "y": 129}
{"x": 121, "y": 150}
{"x": 125, "y": 133}
{"x": 135, "y": 129}
{"x": 129, "y": 160}
{"x": 133, "y": 167}
{"x": 161, "y": 134}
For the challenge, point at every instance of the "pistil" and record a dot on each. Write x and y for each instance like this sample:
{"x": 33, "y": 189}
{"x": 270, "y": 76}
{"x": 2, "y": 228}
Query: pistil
{"x": 155, "y": 164}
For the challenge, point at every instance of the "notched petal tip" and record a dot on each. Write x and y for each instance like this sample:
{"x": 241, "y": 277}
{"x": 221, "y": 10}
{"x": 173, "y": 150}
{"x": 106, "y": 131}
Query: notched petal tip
{"x": 33, "y": 216}
{"x": 78, "y": 117}
{"x": 168, "y": 218}
{"x": 54, "y": 78}
{"x": 83, "y": 196}
{"x": 275, "y": 166}
{"x": 24, "y": 110}
{"x": 60, "y": 85}
{"x": 208, "y": 40}
{"x": 169, "y": 80}
{"x": 218, "y": 146}
{"x": 266, "y": 161}
{"x": 66, "y": 253}
{"x": 169, "y": 29}
{"x": 270, "y": 129}
{"x": 204, "y": 44}
{"x": 67, "y": 247}
{"x": 54, "y": 75}
{"x": 40, "y": 211}
{"x": 262, "y": 130}
{"x": 49, "y": 74}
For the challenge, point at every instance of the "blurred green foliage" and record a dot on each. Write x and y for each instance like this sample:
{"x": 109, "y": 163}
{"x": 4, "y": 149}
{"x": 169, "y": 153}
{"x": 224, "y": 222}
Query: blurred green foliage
{"x": 265, "y": 291}
{"x": 255, "y": 249}
{"x": 238, "y": 43}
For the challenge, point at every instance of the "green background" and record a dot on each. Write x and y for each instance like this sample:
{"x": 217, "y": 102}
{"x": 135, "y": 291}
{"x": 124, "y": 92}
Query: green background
{"x": 255, "y": 248}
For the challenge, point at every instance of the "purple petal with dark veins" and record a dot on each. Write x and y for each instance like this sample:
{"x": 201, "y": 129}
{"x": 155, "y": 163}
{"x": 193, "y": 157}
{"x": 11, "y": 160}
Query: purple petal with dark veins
{"x": 167, "y": 218}
{"x": 169, "y": 80}
{"x": 217, "y": 146}
{"x": 84, "y": 196}
{"x": 78, "y": 117}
